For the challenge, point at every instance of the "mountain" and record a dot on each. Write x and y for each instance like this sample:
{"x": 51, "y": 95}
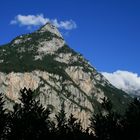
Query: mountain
{"x": 60, "y": 76}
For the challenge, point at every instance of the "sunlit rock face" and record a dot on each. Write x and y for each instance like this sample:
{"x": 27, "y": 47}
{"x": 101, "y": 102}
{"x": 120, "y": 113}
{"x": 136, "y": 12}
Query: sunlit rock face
{"x": 43, "y": 62}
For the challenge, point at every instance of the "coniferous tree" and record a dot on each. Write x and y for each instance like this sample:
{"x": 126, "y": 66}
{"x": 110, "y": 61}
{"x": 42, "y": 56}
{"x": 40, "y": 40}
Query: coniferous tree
{"x": 29, "y": 120}
{"x": 61, "y": 129}
{"x": 75, "y": 128}
{"x": 3, "y": 119}
{"x": 132, "y": 121}
{"x": 106, "y": 124}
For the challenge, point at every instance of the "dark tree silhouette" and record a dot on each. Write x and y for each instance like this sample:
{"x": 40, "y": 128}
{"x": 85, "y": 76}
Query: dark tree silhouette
{"x": 106, "y": 124}
{"x": 132, "y": 121}
{"x": 3, "y": 119}
{"x": 75, "y": 129}
{"x": 70, "y": 128}
{"x": 61, "y": 129}
{"x": 29, "y": 120}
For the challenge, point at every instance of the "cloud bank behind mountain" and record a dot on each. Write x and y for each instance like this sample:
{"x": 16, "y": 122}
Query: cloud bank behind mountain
{"x": 125, "y": 80}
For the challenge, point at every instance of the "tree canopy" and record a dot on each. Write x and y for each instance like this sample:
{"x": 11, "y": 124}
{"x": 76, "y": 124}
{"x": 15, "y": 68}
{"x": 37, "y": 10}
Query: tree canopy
{"x": 31, "y": 120}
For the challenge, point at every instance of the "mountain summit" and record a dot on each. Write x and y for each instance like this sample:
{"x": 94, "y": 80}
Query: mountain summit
{"x": 60, "y": 76}
{"x": 48, "y": 27}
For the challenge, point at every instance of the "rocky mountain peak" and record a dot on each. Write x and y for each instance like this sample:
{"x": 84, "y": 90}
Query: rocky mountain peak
{"x": 42, "y": 61}
{"x": 51, "y": 28}
{"x": 45, "y": 41}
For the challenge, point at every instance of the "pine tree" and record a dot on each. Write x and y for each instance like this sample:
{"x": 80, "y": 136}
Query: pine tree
{"x": 29, "y": 120}
{"x": 106, "y": 124}
{"x": 132, "y": 121}
{"x": 3, "y": 119}
{"x": 61, "y": 129}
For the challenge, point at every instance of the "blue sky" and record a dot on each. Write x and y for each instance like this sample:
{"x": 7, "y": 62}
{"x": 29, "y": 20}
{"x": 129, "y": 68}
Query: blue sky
{"x": 107, "y": 33}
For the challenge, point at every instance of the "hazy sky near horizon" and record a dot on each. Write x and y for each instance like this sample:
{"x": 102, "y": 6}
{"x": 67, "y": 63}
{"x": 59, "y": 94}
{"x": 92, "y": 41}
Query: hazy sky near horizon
{"x": 106, "y": 32}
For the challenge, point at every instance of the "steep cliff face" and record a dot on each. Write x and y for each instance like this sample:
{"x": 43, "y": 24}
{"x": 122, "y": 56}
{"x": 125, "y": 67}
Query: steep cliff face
{"x": 43, "y": 62}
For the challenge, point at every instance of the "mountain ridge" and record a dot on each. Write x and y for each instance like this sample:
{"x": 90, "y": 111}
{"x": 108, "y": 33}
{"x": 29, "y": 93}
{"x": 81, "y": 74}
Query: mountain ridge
{"x": 44, "y": 62}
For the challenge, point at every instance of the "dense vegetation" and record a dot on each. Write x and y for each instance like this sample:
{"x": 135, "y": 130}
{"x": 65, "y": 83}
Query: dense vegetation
{"x": 30, "y": 120}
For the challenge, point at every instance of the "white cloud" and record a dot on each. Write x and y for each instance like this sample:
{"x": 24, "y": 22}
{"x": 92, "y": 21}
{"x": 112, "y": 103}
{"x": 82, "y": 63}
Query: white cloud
{"x": 38, "y": 20}
{"x": 68, "y": 25}
{"x": 29, "y": 20}
{"x": 127, "y": 81}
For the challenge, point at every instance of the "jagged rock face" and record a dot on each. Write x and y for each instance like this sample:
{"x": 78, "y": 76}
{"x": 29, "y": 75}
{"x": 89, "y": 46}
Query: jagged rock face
{"x": 43, "y": 62}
